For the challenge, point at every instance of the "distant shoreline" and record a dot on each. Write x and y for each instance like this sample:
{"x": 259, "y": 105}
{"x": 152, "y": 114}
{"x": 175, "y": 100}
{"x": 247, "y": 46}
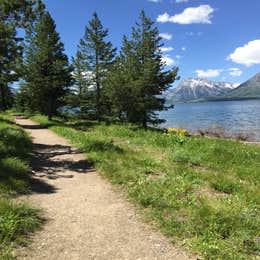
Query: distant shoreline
{"x": 215, "y": 99}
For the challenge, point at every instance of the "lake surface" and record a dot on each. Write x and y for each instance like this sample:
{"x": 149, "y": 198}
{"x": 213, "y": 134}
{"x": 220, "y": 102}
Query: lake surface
{"x": 235, "y": 116}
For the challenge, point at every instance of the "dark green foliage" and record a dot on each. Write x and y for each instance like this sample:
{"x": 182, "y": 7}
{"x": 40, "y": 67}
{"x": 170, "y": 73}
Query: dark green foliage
{"x": 82, "y": 95}
{"x": 139, "y": 75}
{"x": 10, "y": 55}
{"x": 13, "y": 14}
{"x": 119, "y": 90}
{"x": 93, "y": 60}
{"x": 47, "y": 72}
{"x": 23, "y": 98}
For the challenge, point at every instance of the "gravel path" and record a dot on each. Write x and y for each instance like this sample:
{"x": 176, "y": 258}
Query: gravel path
{"x": 86, "y": 217}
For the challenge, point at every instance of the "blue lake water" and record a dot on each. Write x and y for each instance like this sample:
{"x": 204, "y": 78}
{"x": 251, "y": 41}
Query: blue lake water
{"x": 234, "y": 116}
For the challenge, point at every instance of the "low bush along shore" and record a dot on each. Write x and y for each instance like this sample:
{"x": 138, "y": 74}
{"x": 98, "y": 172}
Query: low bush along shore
{"x": 16, "y": 219}
{"x": 201, "y": 192}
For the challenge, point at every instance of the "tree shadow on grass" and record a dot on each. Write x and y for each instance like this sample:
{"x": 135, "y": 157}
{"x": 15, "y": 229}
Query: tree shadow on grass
{"x": 102, "y": 146}
{"x": 19, "y": 181}
{"x": 83, "y": 125}
{"x": 3, "y": 120}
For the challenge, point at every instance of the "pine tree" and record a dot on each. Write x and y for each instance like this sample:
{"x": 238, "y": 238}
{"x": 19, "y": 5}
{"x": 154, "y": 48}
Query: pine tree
{"x": 144, "y": 70}
{"x": 10, "y": 55}
{"x": 118, "y": 87}
{"x": 13, "y": 14}
{"x": 47, "y": 71}
{"x": 98, "y": 54}
{"x": 82, "y": 95}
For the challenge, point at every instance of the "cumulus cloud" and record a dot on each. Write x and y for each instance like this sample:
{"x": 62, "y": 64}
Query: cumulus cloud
{"x": 166, "y": 36}
{"x": 210, "y": 73}
{"x": 235, "y": 72}
{"x": 168, "y": 60}
{"x": 178, "y": 57}
{"x": 183, "y": 48}
{"x": 190, "y": 15}
{"x": 166, "y": 49}
{"x": 248, "y": 55}
{"x": 163, "y": 18}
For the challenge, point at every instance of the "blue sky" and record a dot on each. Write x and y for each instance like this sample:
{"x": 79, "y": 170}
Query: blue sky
{"x": 214, "y": 39}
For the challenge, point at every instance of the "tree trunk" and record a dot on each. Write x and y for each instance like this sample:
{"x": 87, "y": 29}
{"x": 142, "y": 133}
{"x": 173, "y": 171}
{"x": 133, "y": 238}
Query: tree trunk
{"x": 144, "y": 121}
{"x": 98, "y": 112}
{"x": 50, "y": 110}
{"x": 3, "y": 103}
{"x": 98, "y": 103}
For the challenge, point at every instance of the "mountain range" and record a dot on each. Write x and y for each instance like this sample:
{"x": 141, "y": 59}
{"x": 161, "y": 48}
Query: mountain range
{"x": 196, "y": 89}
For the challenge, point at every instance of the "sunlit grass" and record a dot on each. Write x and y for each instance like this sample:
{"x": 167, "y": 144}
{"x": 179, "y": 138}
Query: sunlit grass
{"x": 202, "y": 192}
{"x": 16, "y": 219}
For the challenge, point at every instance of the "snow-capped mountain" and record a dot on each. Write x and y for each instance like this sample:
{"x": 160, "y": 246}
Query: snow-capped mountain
{"x": 196, "y": 88}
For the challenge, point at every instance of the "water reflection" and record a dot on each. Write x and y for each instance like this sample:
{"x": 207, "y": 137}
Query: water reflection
{"x": 234, "y": 116}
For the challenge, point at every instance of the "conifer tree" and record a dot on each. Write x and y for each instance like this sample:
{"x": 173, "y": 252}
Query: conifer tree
{"x": 154, "y": 79}
{"x": 47, "y": 71}
{"x": 119, "y": 89}
{"x": 13, "y": 14}
{"x": 82, "y": 94}
{"x": 98, "y": 54}
{"x": 144, "y": 72}
{"x": 10, "y": 55}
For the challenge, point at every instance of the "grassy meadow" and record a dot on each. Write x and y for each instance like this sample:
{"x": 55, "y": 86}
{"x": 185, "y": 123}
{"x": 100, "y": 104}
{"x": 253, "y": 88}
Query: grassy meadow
{"x": 16, "y": 219}
{"x": 201, "y": 192}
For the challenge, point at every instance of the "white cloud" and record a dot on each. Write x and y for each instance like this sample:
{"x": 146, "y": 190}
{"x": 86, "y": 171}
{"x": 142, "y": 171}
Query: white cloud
{"x": 182, "y": 1}
{"x": 235, "y": 72}
{"x": 166, "y": 49}
{"x": 248, "y": 55}
{"x": 155, "y": 1}
{"x": 166, "y": 36}
{"x": 211, "y": 73}
{"x": 200, "y": 14}
{"x": 178, "y": 57}
{"x": 163, "y": 18}
{"x": 168, "y": 60}
{"x": 183, "y": 48}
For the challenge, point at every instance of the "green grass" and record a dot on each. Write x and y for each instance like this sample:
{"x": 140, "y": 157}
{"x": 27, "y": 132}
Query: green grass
{"x": 16, "y": 219}
{"x": 201, "y": 192}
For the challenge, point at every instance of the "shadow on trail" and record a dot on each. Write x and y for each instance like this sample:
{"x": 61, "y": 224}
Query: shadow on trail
{"x": 56, "y": 161}
{"x": 40, "y": 186}
{"x": 34, "y": 127}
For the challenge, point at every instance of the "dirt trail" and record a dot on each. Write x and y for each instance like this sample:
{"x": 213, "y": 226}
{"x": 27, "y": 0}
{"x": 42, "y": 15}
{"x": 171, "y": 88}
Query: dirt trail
{"x": 86, "y": 217}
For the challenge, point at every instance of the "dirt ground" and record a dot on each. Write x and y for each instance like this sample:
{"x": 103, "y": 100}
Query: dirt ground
{"x": 86, "y": 217}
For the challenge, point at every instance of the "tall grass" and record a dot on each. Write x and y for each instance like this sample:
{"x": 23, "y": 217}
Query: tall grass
{"x": 16, "y": 219}
{"x": 203, "y": 193}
